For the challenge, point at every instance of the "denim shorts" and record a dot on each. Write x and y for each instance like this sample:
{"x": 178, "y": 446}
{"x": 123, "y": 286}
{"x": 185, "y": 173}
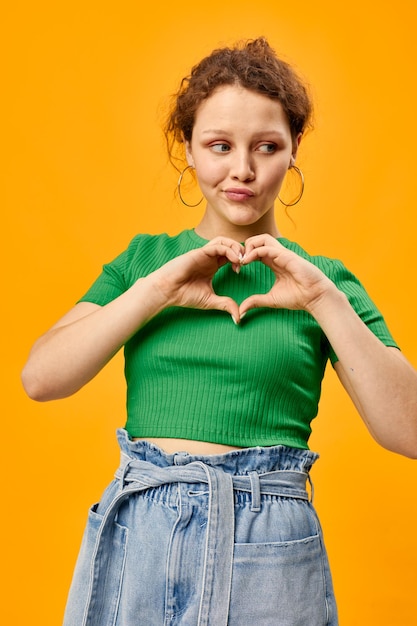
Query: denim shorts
{"x": 218, "y": 540}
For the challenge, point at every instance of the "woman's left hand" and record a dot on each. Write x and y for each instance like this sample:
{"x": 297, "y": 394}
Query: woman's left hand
{"x": 299, "y": 284}
{"x": 380, "y": 381}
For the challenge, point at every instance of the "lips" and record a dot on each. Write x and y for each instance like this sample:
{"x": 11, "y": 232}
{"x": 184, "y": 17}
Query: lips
{"x": 238, "y": 194}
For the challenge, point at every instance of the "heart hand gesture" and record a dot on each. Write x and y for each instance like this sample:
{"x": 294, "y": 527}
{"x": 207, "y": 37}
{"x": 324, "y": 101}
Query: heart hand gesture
{"x": 187, "y": 280}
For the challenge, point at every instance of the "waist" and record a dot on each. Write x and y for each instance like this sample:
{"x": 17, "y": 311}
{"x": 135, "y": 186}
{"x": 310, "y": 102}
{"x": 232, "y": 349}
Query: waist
{"x": 192, "y": 446}
{"x": 235, "y": 460}
{"x": 137, "y": 476}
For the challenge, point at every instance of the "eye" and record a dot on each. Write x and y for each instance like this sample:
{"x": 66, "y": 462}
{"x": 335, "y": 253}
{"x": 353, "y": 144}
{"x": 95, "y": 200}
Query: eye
{"x": 220, "y": 147}
{"x": 268, "y": 148}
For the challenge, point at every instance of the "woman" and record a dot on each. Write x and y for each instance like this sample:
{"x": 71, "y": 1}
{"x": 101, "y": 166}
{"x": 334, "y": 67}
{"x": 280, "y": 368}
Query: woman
{"x": 227, "y": 329}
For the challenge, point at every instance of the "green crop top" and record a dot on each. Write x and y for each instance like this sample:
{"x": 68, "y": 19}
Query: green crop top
{"x": 194, "y": 374}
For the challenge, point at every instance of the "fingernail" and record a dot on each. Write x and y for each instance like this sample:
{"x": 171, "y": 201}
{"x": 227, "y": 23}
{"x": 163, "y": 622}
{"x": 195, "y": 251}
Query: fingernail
{"x": 242, "y": 316}
{"x": 237, "y": 269}
{"x": 234, "y": 319}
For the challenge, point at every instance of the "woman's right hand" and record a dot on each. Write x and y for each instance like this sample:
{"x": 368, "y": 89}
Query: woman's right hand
{"x": 78, "y": 346}
{"x": 186, "y": 281}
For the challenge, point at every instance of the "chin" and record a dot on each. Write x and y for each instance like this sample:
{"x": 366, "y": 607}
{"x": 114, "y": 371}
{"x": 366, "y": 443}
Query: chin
{"x": 246, "y": 222}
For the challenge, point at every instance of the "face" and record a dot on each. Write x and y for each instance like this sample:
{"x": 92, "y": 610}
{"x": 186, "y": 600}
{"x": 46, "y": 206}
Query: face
{"x": 241, "y": 149}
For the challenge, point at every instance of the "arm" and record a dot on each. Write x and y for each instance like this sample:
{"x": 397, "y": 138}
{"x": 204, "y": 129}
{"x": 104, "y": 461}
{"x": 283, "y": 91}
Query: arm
{"x": 379, "y": 380}
{"x": 75, "y": 349}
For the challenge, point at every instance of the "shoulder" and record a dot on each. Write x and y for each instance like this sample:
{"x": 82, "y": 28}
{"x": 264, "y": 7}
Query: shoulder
{"x": 145, "y": 242}
{"x": 147, "y": 252}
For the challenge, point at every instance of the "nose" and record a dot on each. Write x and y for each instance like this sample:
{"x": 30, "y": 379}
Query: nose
{"x": 242, "y": 168}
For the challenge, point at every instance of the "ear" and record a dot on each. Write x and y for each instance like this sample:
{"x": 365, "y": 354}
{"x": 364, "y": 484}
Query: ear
{"x": 296, "y": 145}
{"x": 188, "y": 153}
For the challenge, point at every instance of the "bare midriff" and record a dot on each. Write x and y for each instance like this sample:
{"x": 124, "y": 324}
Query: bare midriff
{"x": 170, "y": 446}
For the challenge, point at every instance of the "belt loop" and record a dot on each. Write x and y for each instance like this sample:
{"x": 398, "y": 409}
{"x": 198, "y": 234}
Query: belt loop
{"x": 255, "y": 492}
{"x": 311, "y": 488}
{"x": 124, "y": 463}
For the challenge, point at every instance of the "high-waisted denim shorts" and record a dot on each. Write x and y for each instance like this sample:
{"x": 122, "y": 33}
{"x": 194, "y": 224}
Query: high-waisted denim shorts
{"x": 219, "y": 540}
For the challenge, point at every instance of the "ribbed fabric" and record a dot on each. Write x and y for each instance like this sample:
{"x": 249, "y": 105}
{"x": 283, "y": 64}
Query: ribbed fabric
{"x": 196, "y": 375}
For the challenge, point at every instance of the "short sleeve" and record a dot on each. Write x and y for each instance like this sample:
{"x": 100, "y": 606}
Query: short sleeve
{"x": 361, "y": 303}
{"x": 113, "y": 280}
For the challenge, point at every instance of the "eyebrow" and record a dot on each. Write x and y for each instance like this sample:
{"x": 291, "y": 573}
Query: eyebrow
{"x": 220, "y": 131}
{"x": 214, "y": 131}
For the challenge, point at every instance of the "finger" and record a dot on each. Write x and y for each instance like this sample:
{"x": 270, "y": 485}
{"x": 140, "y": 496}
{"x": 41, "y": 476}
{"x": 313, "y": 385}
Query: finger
{"x": 258, "y": 241}
{"x": 222, "y": 251}
{"x": 237, "y": 247}
{"x": 266, "y": 254}
{"x": 223, "y": 303}
{"x": 254, "y": 302}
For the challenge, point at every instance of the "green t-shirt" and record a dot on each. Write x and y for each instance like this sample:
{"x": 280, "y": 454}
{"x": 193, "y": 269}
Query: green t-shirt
{"x": 194, "y": 374}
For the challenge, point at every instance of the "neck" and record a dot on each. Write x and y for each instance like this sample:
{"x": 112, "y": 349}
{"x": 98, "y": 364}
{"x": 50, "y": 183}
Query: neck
{"x": 237, "y": 232}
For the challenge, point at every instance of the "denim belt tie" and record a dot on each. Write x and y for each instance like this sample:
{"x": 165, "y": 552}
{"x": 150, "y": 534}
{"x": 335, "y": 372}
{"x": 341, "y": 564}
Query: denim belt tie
{"x": 136, "y": 476}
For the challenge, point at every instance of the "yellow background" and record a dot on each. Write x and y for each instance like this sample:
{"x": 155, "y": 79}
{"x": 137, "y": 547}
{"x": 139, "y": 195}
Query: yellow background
{"x": 84, "y": 170}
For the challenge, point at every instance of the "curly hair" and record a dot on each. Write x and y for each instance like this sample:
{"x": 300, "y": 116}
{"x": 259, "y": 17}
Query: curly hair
{"x": 252, "y": 65}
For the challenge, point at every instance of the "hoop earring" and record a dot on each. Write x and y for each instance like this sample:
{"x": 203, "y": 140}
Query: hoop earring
{"x": 300, "y": 195}
{"x": 179, "y": 188}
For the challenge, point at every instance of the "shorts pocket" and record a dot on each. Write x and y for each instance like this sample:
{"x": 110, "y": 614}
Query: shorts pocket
{"x": 95, "y": 592}
{"x": 279, "y": 583}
